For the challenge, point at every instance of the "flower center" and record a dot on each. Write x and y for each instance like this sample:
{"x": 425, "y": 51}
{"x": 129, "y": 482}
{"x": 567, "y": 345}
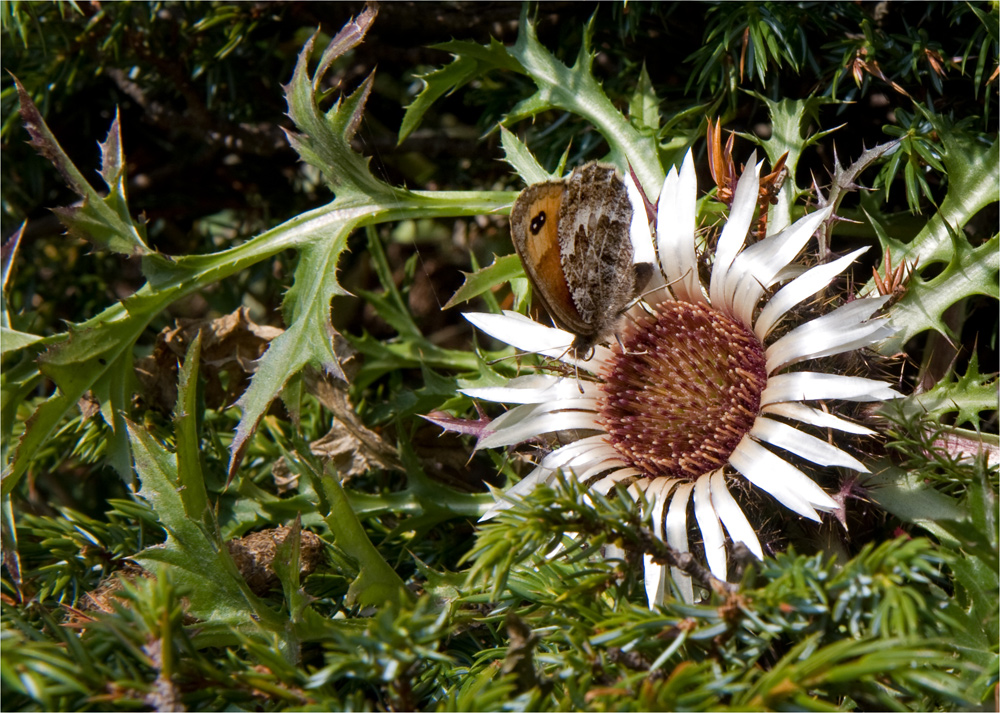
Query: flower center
{"x": 684, "y": 391}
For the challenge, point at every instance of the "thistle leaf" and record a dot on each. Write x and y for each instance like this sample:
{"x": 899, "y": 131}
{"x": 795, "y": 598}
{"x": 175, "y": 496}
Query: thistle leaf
{"x": 324, "y": 138}
{"x": 105, "y": 221}
{"x": 503, "y": 269}
{"x": 471, "y": 61}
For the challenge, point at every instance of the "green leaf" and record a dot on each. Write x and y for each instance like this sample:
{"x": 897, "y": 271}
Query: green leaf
{"x": 391, "y": 306}
{"x": 503, "y": 269}
{"x": 104, "y": 221}
{"x": 471, "y": 61}
{"x": 12, "y": 340}
{"x": 75, "y": 365}
{"x": 361, "y": 199}
{"x": 186, "y": 412}
{"x": 644, "y": 106}
{"x": 324, "y": 140}
{"x": 8, "y": 542}
{"x": 789, "y": 119}
{"x": 967, "y": 396}
{"x": 377, "y": 583}
{"x": 287, "y": 567}
{"x": 518, "y": 156}
{"x": 310, "y": 338}
{"x": 575, "y": 89}
{"x": 908, "y": 497}
{"x": 198, "y": 559}
{"x": 113, "y": 391}
{"x": 973, "y": 183}
{"x": 969, "y": 271}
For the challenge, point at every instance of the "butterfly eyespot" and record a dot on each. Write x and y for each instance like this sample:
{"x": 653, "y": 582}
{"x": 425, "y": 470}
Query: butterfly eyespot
{"x": 538, "y": 222}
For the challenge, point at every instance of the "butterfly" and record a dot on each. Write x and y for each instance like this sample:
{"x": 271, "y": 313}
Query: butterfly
{"x": 573, "y": 238}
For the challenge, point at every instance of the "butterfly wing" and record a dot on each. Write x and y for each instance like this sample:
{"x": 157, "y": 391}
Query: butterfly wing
{"x": 534, "y": 222}
{"x": 596, "y": 246}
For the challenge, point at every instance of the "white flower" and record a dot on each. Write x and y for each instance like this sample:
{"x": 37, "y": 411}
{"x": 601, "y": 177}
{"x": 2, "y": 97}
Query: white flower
{"x": 700, "y": 395}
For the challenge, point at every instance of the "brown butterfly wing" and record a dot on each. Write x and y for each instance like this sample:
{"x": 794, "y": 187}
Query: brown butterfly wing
{"x": 534, "y": 222}
{"x": 596, "y": 247}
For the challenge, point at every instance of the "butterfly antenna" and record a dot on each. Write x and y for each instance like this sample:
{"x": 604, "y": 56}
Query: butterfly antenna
{"x": 625, "y": 350}
{"x": 664, "y": 286}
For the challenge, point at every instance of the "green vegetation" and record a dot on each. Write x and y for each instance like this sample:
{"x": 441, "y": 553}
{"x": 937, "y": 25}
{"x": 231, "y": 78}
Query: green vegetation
{"x": 236, "y": 314}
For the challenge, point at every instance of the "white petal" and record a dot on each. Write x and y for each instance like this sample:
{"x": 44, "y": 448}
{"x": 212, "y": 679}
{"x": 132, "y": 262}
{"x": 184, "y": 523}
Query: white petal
{"x": 660, "y": 499}
{"x": 523, "y": 487}
{"x": 729, "y": 510}
{"x": 655, "y": 575}
{"x": 790, "y": 486}
{"x": 574, "y": 456}
{"x": 733, "y": 237}
{"x": 675, "y": 226}
{"x": 580, "y": 465}
{"x": 805, "y": 285}
{"x": 519, "y": 491}
{"x": 819, "y": 342}
{"x": 711, "y": 529}
{"x": 654, "y": 580}
{"x": 782, "y": 248}
{"x": 579, "y": 453}
{"x": 530, "y": 336}
{"x": 614, "y": 552}
{"x": 639, "y": 486}
{"x": 762, "y": 262}
{"x": 534, "y": 425}
{"x": 527, "y": 411}
{"x": 677, "y": 536}
{"x": 615, "y": 463}
{"x": 642, "y": 239}
{"x": 604, "y": 485}
{"x": 815, "y": 417}
{"x": 519, "y": 331}
{"x": 803, "y": 444}
{"x": 534, "y": 389}
{"x": 830, "y": 334}
{"x": 810, "y": 386}
{"x": 652, "y": 489}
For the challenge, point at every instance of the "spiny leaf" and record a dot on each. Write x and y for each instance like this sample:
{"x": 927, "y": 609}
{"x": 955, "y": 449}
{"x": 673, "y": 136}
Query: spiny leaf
{"x": 192, "y": 481}
{"x": 310, "y": 338}
{"x": 75, "y": 365}
{"x": 218, "y": 595}
{"x": 286, "y": 566}
{"x": 104, "y": 221}
{"x": 575, "y": 89}
{"x": 518, "y": 156}
{"x": 324, "y": 140}
{"x": 471, "y": 61}
{"x": 789, "y": 119}
{"x": 967, "y": 396}
{"x": 973, "y": 183}
{"x": 113, "y": 391}
{"x": 644, "y": 106}
{"x": 13, "y": 340}
{"x": 970, "y": 271}
{"x": 9, "y": 252}
{"x": 377, "y": 583}
{"x": 350, "y": 36}
{"x": 908, "y": 497}
{"x": 8, "y": 541}
{"x": 503, "y": 269}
